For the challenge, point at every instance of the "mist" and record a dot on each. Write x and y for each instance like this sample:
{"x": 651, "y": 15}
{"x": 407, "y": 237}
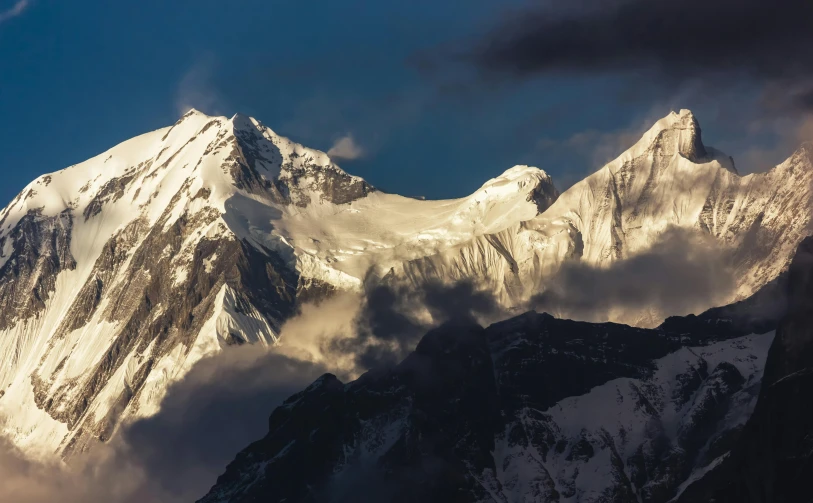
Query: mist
{"x": 223, "y": 404}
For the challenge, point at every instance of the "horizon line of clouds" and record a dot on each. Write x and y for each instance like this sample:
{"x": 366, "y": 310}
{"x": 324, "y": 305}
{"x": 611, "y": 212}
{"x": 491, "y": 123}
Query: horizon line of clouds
{"x": 172, "y": 456}
{"x": 15, "y": 10}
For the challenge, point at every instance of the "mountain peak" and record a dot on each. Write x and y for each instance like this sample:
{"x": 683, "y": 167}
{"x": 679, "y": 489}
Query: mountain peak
{"x": 244, "y": 122}
{"x": 192, "y": 112}
{"x": 676, "y": 136}
{"x": 806, "y": 148}
{"x": 684, "y": 113}
{"x": 678, "y": 119}
{"x": 239, "y": 121}
{"x": 678, "y": 132}
{"x": 536, "y": 182}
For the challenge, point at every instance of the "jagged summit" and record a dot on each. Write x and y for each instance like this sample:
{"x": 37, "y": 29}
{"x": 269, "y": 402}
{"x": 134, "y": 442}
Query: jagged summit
{"x": 678, "y": 133}
{"x": 690, "y": 142}
{"x": 192, "y": 112}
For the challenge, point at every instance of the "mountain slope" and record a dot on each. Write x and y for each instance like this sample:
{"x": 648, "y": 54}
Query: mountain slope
{"x": 529, "y": 409}
{"x": 119, "y": 273}
{"x": 668, "y": 180}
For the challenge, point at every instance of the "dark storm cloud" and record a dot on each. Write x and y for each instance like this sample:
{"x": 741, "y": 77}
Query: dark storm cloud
{"x": 745, "y": 67}
{"x": 219, "y": 407}
{"x": 392, "y": 318}
{"x": 710, "y": 44}
{"x": 224, "y": 402}
{"x": 679, "y": 41}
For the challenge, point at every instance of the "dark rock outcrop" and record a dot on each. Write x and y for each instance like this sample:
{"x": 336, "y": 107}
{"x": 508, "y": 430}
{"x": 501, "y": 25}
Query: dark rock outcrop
{"x": 40, "y": 250}
{"x": 473, "y": 415}
{"x": 773, "y": 460}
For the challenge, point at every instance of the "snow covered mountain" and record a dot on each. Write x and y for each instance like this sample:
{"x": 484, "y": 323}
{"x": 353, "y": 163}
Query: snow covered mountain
{"x": 529, "y": 409}
{"x": 668, "y": 180}
{"x": 119, "y": 273}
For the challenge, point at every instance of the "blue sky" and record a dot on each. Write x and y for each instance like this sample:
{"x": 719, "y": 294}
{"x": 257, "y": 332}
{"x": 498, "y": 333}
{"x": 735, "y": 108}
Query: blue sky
{"x": 78, "y": 77}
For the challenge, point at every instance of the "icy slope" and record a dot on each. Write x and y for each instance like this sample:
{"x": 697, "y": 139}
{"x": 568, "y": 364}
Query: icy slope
{"x": 133, "y": 270}
{"x": 382, "y": 230}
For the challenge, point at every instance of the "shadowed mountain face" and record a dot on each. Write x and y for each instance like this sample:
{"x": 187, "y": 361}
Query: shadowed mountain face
{"x": 530, "y": 409}
{"x": 773, "y": 461}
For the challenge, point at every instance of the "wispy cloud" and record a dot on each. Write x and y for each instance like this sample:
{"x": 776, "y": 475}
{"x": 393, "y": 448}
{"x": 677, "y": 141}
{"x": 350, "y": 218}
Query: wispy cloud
{"x": 679, "y": 274}
{"x": 15, "y": 10}
{"x": 346, "y": 148}
{"x": 195, "y": 90}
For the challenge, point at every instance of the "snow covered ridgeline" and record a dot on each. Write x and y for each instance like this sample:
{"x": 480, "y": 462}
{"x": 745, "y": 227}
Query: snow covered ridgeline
{"x": 208, "y": 233}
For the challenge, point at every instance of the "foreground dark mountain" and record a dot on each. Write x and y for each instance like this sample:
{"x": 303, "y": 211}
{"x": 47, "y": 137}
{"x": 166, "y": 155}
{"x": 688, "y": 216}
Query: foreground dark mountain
{"x": 530, "y": 409}
{"x": 773, "y": 461}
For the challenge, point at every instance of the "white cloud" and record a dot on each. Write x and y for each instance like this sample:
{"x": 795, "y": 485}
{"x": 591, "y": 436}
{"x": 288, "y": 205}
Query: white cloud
{"x": 15, "y": 10}
{"x": 346, "y": 148}
{"x": 195, "y": 90}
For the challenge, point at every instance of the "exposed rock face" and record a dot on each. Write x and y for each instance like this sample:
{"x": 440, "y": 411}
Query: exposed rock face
{"x": 39, "y": 251}
{"x": 530, "y": 409}
{"x": 773, "y": 461}
{"x": 686, "y": 135}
